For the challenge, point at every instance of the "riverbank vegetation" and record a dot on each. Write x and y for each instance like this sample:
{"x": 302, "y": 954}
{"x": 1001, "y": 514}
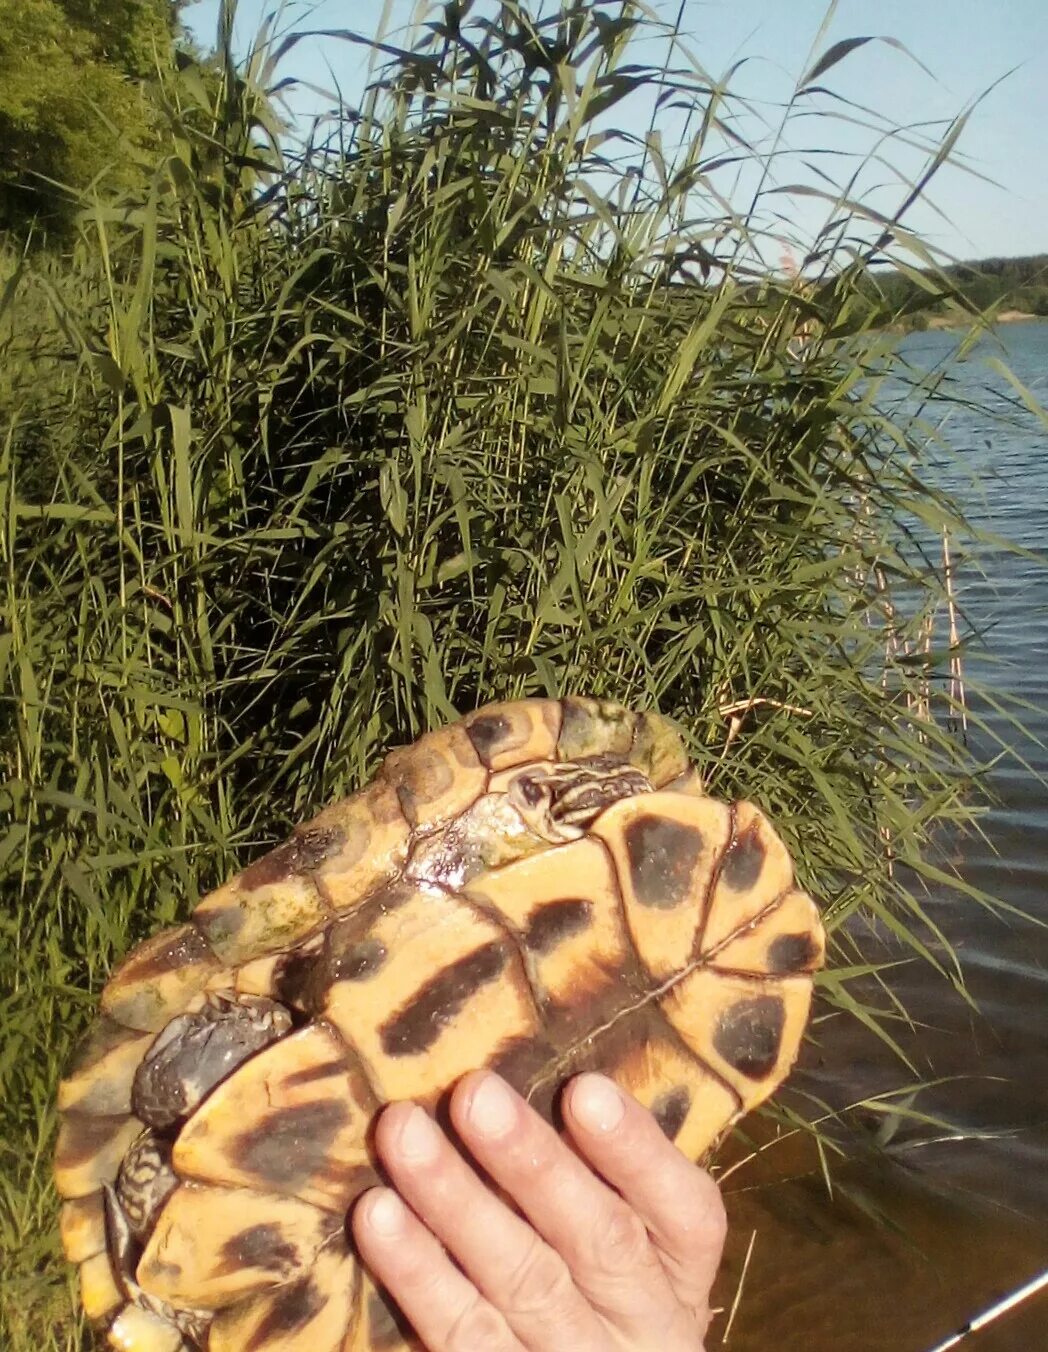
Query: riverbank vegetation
{"x": 988, "y": 289}
{"x": 306, "y": 448}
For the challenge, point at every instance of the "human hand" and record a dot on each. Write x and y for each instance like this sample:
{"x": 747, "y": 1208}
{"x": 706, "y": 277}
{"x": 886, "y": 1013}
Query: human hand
{"x": 590, "y": 1267}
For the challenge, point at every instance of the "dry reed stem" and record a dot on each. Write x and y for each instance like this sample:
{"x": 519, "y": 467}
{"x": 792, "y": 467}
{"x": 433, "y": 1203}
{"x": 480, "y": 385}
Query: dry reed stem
{"x": 958, "y": 699}
{"x": 737, "y": 1301}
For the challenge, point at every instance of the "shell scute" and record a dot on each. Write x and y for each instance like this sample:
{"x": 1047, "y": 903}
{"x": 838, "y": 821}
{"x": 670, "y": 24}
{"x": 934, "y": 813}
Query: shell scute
{"x": 692, "y": 1107}
{"x": 657, "y": 749}
{"x": 786, "y": 940}
{"x": 303, "y": 852}
{"x": 89, "y": 1150}
{"x": 158, "y": 977}
{"x": 255, "y": 1240}
{"x": 747, "y": 1032}
{"x": 82, "y": 1225}
{"x": 436, "y": 778}
{"x": 100, "y": 1292}
{"x": 292, "y": 1120}
{"x": 309, "y": 1314}
{"x": 450, "y": 991}
{"x": 594, "y": 727}
{"x": 755, "y": 871}
{"x": 242, "y": 922}
{"x": 375, "y": 839}
{"x": 666, "y": 848}
{"x": 566, "y": 910}
{"x": 506, "y": 735}
{"x": 102, "y": 1072}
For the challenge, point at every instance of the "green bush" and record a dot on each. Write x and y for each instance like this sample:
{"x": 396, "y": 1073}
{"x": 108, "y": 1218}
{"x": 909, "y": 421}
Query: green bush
{"x": 71, "y": 105}
{"x": 308, "y": 455}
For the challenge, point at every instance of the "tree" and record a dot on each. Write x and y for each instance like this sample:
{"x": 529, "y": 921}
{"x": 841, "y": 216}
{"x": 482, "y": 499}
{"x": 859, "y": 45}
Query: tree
{"x": 70, "y": 99}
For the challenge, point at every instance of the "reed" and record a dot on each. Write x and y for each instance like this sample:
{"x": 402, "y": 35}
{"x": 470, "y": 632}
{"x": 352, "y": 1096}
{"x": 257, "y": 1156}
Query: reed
{"x": 476, "y": 394}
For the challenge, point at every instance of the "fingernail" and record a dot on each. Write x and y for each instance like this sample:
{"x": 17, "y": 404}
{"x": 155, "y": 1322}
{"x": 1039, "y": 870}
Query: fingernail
{"x": 491, "y": 1108}
{"x": 386, "y": 1213}
{"x": 597, "y": 1103}
{"x": 418, "y": 1139}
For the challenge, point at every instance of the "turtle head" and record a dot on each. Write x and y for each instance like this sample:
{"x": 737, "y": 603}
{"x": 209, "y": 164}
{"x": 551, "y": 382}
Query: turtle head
{"x": 558, "y": 802}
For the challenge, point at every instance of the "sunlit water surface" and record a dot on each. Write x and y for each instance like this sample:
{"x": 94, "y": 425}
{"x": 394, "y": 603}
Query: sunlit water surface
{"x": 971, "y": 1215}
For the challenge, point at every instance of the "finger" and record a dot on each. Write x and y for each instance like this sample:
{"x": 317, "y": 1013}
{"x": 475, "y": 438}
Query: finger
{"x": 602, "y": 1240}
{"x": 679, "y": 1203}
{"x": 446, "y": 1310}
{"x": 511, "y": 1266}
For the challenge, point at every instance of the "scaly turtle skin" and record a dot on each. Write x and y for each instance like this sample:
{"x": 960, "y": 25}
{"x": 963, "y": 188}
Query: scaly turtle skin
{"x": 542, "y": 888}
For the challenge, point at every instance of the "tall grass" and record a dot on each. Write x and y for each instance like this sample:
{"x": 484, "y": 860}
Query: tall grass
{"x": 474, "y": 395}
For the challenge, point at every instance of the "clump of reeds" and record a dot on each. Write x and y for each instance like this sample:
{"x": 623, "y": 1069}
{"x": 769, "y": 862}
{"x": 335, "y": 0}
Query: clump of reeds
{"x": 479, "y": 393}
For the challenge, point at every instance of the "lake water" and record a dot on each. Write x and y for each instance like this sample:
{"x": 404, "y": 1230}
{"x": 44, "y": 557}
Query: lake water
{"x": 969, "y": 1217}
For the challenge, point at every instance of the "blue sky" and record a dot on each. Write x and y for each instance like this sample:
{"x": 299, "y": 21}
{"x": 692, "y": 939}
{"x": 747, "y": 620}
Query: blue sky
{"x": 968, "y": 45}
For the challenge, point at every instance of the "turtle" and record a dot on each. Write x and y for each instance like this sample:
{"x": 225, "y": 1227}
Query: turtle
{"x": 543, "y": 887}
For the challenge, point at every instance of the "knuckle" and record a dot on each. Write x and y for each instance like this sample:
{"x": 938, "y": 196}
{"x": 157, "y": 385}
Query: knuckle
{"x": 702, "y": 1219}
{"x": 535, "y": 1154}
{"x": 621, "y": 1245}
{"x": 479, "y": 1328}
{"x": 540, "y": 1282}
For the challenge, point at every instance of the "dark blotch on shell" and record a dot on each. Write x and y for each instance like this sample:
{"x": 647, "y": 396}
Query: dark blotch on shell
{"x": 346, "y": 952}
{"x": 169, "y": 951}
{"x": 662, "y": 855}
{"x": 670, "y": 1109}
{"x": 289, "y": 1147}
{"x": 195, "y": 1052}
{"x": 311, "y": 1074}
{"x": 297, "y": 974}
{"x": 98, "y": 1088}
{"x": 791, "y": 953}
{"x": 305, "y": 850}
{"x": 100, "y": 1039}
{"x": 260, "y": 1246}
{"x": 292, "y": 1309}
{"x": 360, "y": 962}
{"x": 748, "y": 1034}
{"x": 83, "y": 1136}
{"x": 743, "y": 861}
{"x": 418, "y": 1025}
{"x": 222, "y": 923}
{"x": 420, "y": 774}
{"x": 486, "y": 732}
{"x": 523, "y": 1060}
{"x": 556, "y": 921}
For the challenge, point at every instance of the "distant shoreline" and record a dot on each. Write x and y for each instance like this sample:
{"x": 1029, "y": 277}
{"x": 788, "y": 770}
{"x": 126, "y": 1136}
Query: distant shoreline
{"x": 940, "y": 297}
{"x": 961, "y": 321}
{"x": 1005, "y": 317}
